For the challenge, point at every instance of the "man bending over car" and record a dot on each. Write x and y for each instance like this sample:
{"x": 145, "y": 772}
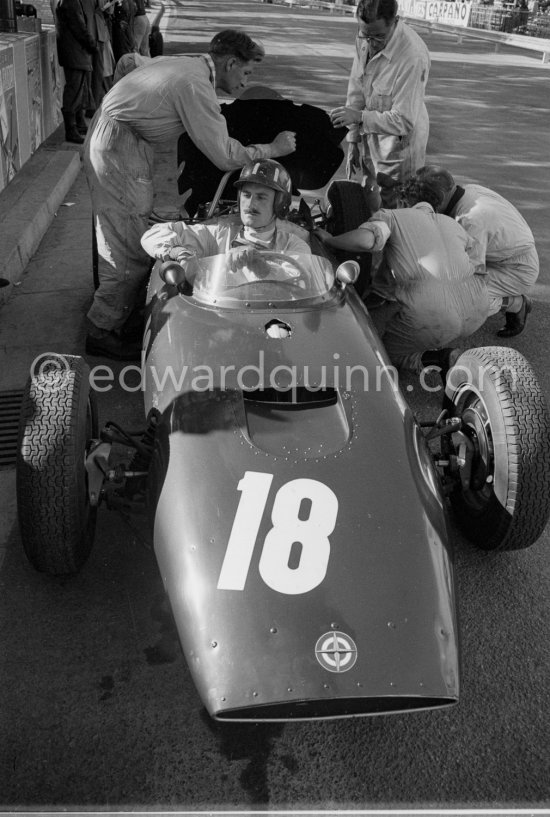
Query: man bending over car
{"x": 265, "y": 194}
{"x": 435, "y": 292}
{"x": 151, "y": 105}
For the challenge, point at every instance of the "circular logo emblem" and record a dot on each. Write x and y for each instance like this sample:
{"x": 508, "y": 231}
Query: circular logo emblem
{"x": 336, "y": 652}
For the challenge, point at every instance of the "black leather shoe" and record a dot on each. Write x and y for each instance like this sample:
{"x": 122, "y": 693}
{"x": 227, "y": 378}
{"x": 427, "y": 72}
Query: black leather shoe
{"x": 113, "y": 346}
{"x": 515, "y": 321}
{"x": 73, "y": 135}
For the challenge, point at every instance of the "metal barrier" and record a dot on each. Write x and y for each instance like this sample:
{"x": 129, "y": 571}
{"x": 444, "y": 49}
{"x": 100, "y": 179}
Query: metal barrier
{"x": 538, "y": 25}
{"x": 502, "y": 26}
{"x": 518, "y": 21}
{"x": 497, "y": 19}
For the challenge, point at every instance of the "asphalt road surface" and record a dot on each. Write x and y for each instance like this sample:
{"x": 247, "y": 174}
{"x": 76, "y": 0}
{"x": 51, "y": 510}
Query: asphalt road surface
{"x": 97, "y": 707}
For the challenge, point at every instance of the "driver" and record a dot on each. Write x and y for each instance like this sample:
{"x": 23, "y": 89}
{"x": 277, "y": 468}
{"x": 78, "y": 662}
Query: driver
{"x": 265, "y": 195}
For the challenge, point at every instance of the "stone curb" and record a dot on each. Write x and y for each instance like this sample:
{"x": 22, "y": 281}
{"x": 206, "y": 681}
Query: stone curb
{"x": 27, "y": 208}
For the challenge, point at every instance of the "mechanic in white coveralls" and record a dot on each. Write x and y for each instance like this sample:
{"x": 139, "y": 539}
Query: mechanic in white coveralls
{"x": 265, "y": 195}
{"x": 151, "y": 105}
{"x": 385, "y": 110}
{"x": 505, "y": 244}
{"x": 436, "y": 292}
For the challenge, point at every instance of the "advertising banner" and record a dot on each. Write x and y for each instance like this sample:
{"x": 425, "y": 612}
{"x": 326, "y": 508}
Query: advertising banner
{"x": 34, "y": 86}
{"x": 52, "y": 82}
{"x": 17, "y": 44}
{"x": 437, "y": 11}
{"x": 9, "y": 136}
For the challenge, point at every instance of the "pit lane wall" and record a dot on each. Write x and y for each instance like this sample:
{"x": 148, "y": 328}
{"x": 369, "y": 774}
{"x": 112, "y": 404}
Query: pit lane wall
{"x": 31, "y": 87}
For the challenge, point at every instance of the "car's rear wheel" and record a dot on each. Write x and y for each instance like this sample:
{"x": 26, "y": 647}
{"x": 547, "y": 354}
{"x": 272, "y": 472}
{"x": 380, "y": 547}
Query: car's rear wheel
{"x": 58, "y": 421}
{"x": 506, "y": 504}
{"x": 349, "y": 208}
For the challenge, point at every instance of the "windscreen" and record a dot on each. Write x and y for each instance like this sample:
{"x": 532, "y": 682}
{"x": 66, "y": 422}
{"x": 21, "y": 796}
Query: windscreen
{"x": 251, "y": 278}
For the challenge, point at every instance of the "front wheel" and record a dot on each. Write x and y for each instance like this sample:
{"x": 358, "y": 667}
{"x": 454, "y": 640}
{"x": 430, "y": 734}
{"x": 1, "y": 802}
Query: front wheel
{"x": 57, "y": 423}
{"x": 506, "y": 503}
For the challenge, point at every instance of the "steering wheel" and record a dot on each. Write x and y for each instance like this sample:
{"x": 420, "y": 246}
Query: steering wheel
{"x": 261, "y": 285}
{"x": 266, "y": 257}
{"x": 279, "y": 256}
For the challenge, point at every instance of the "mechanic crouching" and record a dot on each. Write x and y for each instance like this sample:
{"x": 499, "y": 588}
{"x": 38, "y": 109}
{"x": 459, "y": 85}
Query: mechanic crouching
{"x": 265, "y": 195}
{"x": 505, "y": 243}
{"x": 156, "y": 104}
{"x": 435, "y": 291}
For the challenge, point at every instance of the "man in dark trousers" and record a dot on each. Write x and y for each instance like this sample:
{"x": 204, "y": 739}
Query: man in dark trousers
{"x": 76, "y": 45}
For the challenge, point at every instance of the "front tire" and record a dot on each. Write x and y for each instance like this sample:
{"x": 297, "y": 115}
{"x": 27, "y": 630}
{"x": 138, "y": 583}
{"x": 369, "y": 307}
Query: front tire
{"x": 58, "y": 420}
{"x": 504, "y": 414}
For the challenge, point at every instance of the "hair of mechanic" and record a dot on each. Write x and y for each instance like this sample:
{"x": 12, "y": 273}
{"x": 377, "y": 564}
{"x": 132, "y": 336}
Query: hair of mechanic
{"x": 370, "y": 10}
{"x": 437, "y": 175}
{"x": 415, "y": 190}
{"x": 233, "y": 43}
{"x": 272, "y": 174}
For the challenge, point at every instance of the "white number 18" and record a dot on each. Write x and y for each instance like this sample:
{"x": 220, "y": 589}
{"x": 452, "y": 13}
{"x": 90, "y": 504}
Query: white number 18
{"x": 289, "y": 529}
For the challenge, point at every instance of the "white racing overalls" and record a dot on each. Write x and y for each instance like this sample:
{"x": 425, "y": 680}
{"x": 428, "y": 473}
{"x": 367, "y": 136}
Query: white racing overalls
{"x": 153, "y": 104}
{"x": 439, "y": 296}
{"x": 389, "y": 89}
{"x": 505, "y": 243}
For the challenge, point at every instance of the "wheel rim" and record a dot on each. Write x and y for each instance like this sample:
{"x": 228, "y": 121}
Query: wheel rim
{"x": 476, "y": 425}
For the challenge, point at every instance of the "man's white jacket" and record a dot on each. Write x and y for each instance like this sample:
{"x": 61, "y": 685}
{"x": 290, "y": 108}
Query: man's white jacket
{"x": 177, "y": 240}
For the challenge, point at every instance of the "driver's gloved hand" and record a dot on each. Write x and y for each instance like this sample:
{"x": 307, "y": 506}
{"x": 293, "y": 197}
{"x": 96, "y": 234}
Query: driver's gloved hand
{"x": 251, "y": 259}
{"x": 241, "y": 257}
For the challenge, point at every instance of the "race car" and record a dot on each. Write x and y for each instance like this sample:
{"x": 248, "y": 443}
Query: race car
{"x": 301, "y": 516}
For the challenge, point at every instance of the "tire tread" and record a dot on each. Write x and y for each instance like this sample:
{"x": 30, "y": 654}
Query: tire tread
{"x": 527, "y": 422}
{"x": 56, "y": 532}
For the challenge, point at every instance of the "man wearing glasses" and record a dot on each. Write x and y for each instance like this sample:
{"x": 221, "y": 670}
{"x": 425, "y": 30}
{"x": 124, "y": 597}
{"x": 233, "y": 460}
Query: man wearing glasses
{"x": 385, "y": 109}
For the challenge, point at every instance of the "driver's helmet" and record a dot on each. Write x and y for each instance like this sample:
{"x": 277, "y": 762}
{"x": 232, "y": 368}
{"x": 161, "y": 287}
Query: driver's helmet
{"x": 271, "y": 174}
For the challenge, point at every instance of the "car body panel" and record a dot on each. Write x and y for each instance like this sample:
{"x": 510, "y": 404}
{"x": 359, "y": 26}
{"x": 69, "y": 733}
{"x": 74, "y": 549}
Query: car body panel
{"x": 304, "y": 547}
